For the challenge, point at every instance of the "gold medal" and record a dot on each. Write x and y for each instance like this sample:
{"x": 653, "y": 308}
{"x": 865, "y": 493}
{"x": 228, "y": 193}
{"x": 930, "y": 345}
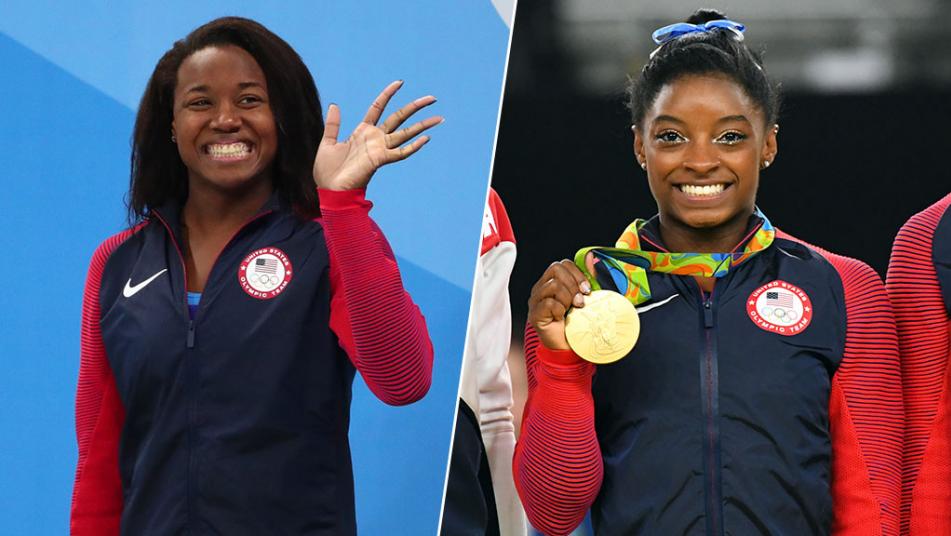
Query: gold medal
{"x": 605, "y": 329}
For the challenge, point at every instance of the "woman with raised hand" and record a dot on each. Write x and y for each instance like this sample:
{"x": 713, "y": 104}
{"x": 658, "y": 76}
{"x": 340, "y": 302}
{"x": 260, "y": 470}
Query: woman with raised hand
{"x": 222, "y": 331}
{"x": 763, "y": 395}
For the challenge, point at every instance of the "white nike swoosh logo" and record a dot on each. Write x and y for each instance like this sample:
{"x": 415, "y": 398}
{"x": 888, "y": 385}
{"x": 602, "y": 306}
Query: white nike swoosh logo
{"x": 648, "y": 307}
{"x": 130, "y": 291}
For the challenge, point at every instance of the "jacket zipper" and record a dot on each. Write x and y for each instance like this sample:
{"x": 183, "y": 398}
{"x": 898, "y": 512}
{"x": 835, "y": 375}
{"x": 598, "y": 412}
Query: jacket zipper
{"x": 191, "y": 381}
{"x": 190, "y": 337}
{"x": 709, "y": 389}
{"x": 710, "y": 400}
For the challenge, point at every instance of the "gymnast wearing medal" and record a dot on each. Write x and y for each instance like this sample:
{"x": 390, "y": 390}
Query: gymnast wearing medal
{"x": 222, "y": 332}
{"x": 763, "y": 394}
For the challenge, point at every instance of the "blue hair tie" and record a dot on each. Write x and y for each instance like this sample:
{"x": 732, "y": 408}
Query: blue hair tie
{"x": 673, "y": 31}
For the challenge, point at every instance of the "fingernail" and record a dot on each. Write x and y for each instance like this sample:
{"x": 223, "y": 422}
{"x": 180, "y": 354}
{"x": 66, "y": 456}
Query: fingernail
{"x": 586, "y": 287}
{"x": 579, "y": 300}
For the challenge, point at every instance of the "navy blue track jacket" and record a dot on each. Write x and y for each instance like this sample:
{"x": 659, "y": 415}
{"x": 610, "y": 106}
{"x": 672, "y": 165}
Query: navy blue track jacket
{"x": 770, "y": 407}
{"x": 236, "y": 422}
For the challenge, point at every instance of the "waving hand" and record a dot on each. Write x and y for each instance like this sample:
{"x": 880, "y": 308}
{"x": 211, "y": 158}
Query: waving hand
{"x": 349, "y": 164}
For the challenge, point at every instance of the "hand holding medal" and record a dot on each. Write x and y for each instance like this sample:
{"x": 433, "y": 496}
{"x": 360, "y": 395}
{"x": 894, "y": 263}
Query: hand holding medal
{"x": 599, "y": 326}
{"x": 607, "y": 327}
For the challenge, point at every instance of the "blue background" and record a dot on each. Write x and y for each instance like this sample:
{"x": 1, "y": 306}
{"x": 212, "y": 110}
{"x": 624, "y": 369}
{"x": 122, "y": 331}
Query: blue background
{"x": 71, "y": 84}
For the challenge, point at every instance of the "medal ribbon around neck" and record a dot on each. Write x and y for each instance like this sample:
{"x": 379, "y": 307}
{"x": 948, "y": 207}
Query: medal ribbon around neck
{"x": 628, "y": 264}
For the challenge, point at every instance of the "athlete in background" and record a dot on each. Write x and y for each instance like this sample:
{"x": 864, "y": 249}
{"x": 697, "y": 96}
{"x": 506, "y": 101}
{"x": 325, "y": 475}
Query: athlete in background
{"x": 480, "y": 493}
{"x": 222, "y": 332}
{"x": 919, "y": 285}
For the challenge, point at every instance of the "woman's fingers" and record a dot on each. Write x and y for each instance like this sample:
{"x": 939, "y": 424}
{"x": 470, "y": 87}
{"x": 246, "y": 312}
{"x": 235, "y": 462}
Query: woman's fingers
{"x": 550, "y": 308}
{"x": 379, "y": 104}
{"x": 571, "y": 277}
{"x": 562, "y": 282}
{"x": 395, "y": 139}
{"x": 405, "y": 151}
{"x": 561, "y": 287}
{"x": 331, "y": 125}
{"x": 400, "y": 116}
{"x": 554, "y": 289}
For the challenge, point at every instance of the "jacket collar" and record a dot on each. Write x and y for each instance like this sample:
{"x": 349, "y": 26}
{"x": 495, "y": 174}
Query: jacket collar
{"x": 170, "y": 212}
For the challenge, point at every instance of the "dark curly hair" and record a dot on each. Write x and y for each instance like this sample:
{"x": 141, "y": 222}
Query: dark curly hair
{"x": 714, "y": 52}
{"x": 158, "y": 174}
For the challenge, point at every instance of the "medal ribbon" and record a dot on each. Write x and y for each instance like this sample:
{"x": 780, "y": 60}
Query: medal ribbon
{"x": 628, "y": 264}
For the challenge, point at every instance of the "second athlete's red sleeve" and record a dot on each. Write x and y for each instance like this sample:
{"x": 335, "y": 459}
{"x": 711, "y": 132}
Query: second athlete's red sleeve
{"x": 866, "y": 412}
{"x": 557, "y": 465}
{"x": 376, "y": 321}
{"x": 97, "y": 491}
{"x": 923, "y": 331}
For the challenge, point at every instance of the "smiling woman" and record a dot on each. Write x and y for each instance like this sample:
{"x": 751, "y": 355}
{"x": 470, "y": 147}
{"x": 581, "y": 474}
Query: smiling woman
{"x": 222, "y": 120}
{"x": 704, "y": 155}
{"x": 221, "y": 333}
{"x": 763, "y": 395}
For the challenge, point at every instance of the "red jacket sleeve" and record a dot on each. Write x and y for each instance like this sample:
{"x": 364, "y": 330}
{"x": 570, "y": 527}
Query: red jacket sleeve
{"x": 376, "y": 321}
{"x": 557, "y": 466}
{"x": 97, "y": 491}
{"x": 923, "y": 330}
{"x": 496, "y": 227}
{"x": 866, "y": 411}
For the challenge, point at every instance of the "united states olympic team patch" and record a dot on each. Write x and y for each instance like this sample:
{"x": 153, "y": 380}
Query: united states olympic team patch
{"x": 265, "y": 273}
{"x": 780, "y": 307}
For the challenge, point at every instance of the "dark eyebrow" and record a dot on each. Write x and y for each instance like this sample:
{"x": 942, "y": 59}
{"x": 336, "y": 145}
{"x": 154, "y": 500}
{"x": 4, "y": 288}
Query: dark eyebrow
{"x": 669, "y": 118}
{"x": 727, "y": 119}
{"x": 731, "y": 118}
{"x": 201, "y": 88}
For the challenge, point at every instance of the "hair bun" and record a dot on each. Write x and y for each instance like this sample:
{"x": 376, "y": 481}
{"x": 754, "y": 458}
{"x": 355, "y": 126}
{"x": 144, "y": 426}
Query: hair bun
{"x": 705, "y": 15}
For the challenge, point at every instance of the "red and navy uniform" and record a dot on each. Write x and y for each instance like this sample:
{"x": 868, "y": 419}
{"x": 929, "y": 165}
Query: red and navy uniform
{"x": 713, "y": 425}
{"x": 236, "y": 422}
{"x": 919, "y": 285}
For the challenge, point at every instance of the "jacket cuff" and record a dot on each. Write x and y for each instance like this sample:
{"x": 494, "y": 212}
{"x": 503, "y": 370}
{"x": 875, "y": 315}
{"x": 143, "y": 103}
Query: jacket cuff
{"x": 558, "y": 357}
{"x": 343, "y": 199}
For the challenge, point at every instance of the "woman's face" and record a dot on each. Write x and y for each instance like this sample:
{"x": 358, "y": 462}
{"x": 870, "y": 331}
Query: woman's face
{"x": 222, "y": 119}
{"x": 704, "y": 142}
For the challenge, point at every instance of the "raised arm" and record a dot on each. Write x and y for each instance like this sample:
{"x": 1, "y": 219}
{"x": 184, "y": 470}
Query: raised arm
{"x": 378, "y": 325}
{"x": 557, "y": 466}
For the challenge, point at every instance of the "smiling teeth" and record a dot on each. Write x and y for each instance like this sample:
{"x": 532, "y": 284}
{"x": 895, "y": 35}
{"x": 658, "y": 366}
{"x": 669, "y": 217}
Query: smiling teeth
{"x": 701, "y": 191}
{"x": 229, "y": 150}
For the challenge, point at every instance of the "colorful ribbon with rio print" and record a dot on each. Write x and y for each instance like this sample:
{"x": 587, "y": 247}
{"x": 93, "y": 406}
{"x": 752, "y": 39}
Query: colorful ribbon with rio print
{"x": 628, "y": 264}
